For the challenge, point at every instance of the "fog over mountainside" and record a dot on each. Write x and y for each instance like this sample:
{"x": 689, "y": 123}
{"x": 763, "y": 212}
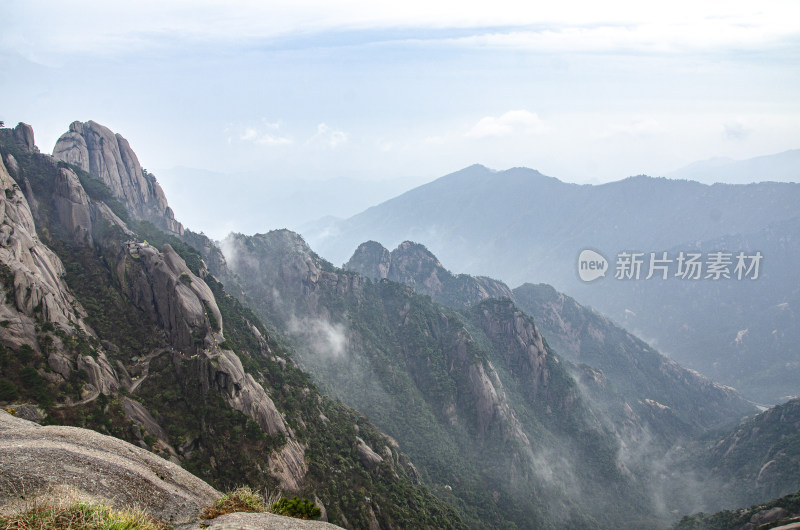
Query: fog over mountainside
{"x": 111, "y": 321}
{"x": 390, "y": 392}
{"x": 521, "y": 226}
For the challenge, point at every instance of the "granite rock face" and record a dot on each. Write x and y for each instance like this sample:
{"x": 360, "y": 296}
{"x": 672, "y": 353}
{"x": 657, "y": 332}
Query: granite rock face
{"x": 414, "y": 265}
{"x": 109, "y": 158}
{"x": 67, "y": 463}
{"x": 160, "y": 284}
{"x": 23, "y": 137}
{"x": 33, "y": 274}
{"x": 73, "y": 206}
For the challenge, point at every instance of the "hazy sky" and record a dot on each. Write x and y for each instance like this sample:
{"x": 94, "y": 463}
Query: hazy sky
{"x": 584, "y": 91}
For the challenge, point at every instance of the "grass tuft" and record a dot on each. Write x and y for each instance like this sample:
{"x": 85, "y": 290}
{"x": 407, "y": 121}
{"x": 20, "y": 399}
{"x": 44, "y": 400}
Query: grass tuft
{"x": 241, "y": 499}
{"x": 81, "y": 516}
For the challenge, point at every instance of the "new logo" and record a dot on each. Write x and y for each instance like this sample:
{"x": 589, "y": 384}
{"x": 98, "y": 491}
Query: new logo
{"x": 591, "y": 265}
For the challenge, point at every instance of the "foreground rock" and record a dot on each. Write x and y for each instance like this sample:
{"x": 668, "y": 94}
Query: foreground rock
{"x": 55, "y": 465}
{"x": 50, "y": 464}
{"x": 257, "y": 521}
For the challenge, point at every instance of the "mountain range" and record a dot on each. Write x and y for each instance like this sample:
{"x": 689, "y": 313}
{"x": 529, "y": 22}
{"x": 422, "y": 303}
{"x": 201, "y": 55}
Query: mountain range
{"x": 389, "y": 392}
{"x": 523, "y": 227}
{"x": 780, "y": 167}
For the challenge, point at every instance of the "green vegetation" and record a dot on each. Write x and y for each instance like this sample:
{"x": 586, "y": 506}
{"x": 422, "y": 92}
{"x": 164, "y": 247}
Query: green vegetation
{"x": 296, "y": 507}
{"x": 81, "y": 516}
{"x": 242, "y": 499}
{"x": 728, "y": 519}
{"x": 8, "y": 392}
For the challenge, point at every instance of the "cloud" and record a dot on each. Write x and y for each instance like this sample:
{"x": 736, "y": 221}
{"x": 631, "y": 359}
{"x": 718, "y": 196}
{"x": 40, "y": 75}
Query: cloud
{"x": 323, "y": 338}
{"x": 39, "y": 27}
{"x": 328, "y": 136}
{"x": 266, "y": 133}
{"x": 514, "y": 122}
{"x": 737, "y": 130}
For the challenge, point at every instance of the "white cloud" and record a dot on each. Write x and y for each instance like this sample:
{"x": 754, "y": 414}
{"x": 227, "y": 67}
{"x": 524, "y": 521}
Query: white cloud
{"x": 328, "y": 136}
{"x": 513, "y": 122}
{"x": 266, "y": 133}
{"x": 38, "y": 28}
{"x": 737, "y": 130}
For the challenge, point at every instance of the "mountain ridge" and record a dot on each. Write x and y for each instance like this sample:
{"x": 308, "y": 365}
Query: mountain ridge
{"x": 139, "y": 340}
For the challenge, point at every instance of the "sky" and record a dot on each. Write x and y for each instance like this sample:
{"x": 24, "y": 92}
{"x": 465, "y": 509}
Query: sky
{"x": 361, "y": 89}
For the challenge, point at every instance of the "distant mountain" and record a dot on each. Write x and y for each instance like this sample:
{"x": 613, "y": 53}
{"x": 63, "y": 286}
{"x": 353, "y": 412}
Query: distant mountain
{"x": 743, "y": 333}
{"x": 635, "y": 370}
{"x": 631, "y": 385}
{"x": 429, "y": 375}
{"x": 520, "y": 226}
{"x": 781, "y": 167}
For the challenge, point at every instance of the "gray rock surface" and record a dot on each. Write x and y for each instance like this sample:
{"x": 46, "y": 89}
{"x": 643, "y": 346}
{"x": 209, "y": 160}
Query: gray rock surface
{"x": 73, "y": 206}
{"x": 162, "y": 285}
{"x": 100, "y": 373}
{"x": 109, "y": 158}
{"x": 23, "y": 137}
{"x": 35, "y": 281}
{"x": 67, "y": 463}
{"x": 369, "y": 458}
{"x": 257, "y": 521}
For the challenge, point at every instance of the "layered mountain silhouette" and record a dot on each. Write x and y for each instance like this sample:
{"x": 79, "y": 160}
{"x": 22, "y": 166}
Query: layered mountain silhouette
{"x": 523, "y": 227}
{"x": 390, "y": 393}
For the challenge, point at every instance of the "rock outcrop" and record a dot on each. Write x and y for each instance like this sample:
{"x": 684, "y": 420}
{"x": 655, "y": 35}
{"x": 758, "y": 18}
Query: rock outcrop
{"x": 32, "y": 273}
{"x": 257, "y": 521}
{"x": 160, "y": 284}
{"x": 182, "y": 304}
{"x": 222, "y": 370}
{"x": 23, "y": 137}
{"x": 73, "y": 206}
{"x": 109, "y": 158}
{"x": 414, "y": 265}
{"x": 46, "y": 464}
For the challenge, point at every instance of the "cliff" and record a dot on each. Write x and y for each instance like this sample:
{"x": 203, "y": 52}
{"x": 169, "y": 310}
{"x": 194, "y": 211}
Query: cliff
{"x": 108, "y": 157}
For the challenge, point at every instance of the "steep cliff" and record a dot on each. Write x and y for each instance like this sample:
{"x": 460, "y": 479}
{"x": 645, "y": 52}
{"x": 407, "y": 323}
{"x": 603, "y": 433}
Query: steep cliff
{"x": 108, "y": 157}
{"x": 414, "y": 265}
{"x": 102, "y": 329}
{"x": 490, "y": 415}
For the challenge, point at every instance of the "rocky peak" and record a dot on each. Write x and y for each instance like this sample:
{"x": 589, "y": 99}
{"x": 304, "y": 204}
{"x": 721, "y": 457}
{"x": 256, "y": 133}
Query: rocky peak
{"x": 23, "y": 137}
{"x": 412, "y": 264}
{"x": 371, "y": 259}
{"x": 108, "y": 157}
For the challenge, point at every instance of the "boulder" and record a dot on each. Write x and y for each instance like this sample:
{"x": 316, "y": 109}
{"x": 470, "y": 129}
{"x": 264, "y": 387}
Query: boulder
{"x": 369, "y": 458}
{"x": 51, "y": 464}
{"x": 23, "y": 137}
{"x": 257, "y": 521}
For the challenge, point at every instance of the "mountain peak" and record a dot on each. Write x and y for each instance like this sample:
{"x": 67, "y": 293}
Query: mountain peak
{"x": 108, "y": 157}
